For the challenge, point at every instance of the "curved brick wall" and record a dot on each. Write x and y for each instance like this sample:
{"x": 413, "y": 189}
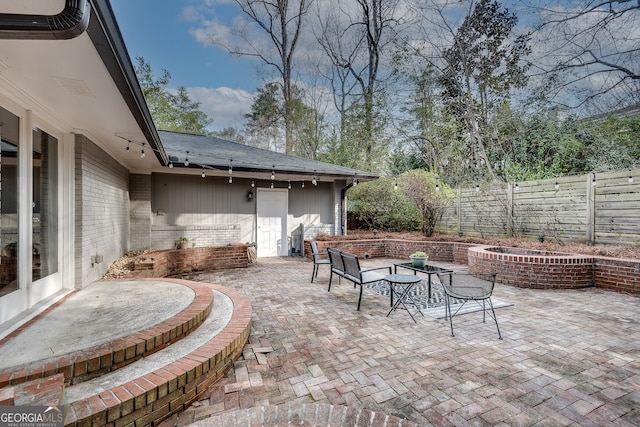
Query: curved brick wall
{"x": 515, "y": 266}
{"x": 532, "y": 269}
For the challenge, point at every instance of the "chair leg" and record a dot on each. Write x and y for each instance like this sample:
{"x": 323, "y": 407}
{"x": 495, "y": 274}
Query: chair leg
{"x": 330, "y": 277}
{"x": 448, "y": 311}
{"x": 359, "y": 298}
{"x": 495, "y": 318}
{"x": 314, "y": 273}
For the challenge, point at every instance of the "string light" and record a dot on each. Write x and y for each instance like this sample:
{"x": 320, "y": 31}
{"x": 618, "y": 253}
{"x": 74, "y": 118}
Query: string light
{"x": 203, "y": 174}
{"x": 271, "y": 184}
{"x": 273, "y": 173}
{"x": 477, "y": 187}
{"x": 517, "y": 187}
{"x": 142, "y": 151}
{"x": 302, "y": 184}
{"x": 289, "y": 185}
{"x": 437, "y": 186}
{"x": 230, "y": 180}
{"x": 186, "y": 159}
{"x": 314, "y": 181}
{"x": 395, "y": 185}
{"x": 593, "y": 181}
{"x": 230, "y": 166}
{"x": 355, "y": 181}
{"x": 253, "y": 183}
{"x": 630, "y": 177}
{"x": 128, "y": 149}
{"x": 170, "y": 165}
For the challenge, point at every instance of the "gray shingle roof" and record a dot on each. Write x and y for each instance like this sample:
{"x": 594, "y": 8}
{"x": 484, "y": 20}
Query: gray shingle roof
{"x": 217, "y": 153}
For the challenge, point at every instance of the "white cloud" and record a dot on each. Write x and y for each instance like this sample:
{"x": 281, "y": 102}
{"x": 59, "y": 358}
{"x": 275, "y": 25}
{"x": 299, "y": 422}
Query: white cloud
{"x": 226, "y": 106}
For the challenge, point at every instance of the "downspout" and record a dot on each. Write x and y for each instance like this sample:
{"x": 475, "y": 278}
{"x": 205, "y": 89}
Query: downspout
{"x": 68, "y": 24}
{"x": 343, "y": 209}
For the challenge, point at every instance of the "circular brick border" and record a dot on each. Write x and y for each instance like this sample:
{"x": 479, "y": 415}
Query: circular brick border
{"x": 532, "y": 269}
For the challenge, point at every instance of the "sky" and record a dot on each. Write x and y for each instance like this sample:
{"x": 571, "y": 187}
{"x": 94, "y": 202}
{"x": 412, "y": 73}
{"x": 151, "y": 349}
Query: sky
{"x": 162, "y": 32}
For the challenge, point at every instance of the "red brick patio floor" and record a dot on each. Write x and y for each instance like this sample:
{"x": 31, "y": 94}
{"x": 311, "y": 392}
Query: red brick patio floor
{"x": 568, "y": 358}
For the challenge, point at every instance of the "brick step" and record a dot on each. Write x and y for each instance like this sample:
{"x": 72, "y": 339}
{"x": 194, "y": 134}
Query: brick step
{"x": 146, "y": 396}
{"x": 40, "y": 392}
{"x": 83, "y": 365}
{"x": 315, "y": 414}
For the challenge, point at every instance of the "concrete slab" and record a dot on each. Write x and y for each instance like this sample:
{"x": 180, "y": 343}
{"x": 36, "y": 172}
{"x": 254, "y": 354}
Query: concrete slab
{"x": 102, "y": 312}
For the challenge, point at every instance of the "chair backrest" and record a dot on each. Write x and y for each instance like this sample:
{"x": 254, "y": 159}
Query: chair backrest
{"x": 314, "y": 251}
{"x": 335, "y": 259}
{"x": 352, "y": 266}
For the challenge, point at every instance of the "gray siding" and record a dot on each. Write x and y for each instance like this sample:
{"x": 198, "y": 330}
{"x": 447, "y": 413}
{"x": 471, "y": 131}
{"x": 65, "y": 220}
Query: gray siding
{"x": 102, "y": 210}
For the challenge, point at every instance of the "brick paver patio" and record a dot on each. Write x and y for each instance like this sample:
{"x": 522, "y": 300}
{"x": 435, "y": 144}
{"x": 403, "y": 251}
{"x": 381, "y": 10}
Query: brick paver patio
{"x": 568, "y": 358}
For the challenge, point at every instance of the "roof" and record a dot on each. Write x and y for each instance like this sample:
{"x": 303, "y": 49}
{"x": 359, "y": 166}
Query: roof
{"x": 81, "y": 82}
{"x": 218, "y": 154}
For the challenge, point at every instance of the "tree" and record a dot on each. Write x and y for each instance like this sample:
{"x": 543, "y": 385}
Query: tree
{"x": 282, "y": 21}
{"x": 264, "y": 120}
{"x": 355, "y": 41}
{"x": 480, "y": 69}
{"x": 590, "y": 52}
{"x": 429, "y": 197}
{"x": 170, "y": 111}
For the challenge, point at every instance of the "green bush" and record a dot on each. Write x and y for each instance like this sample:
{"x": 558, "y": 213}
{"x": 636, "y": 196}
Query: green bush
{"x": 378, "y": 205}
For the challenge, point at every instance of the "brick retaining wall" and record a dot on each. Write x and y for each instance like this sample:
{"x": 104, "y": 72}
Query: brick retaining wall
{"x": 520, "y": 267}
{"x": 168, "y": 263}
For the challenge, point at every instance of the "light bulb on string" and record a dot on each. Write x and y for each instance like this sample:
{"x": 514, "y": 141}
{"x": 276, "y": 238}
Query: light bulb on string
{"x": 517, "y": 187}
{"x": 186, "y": 159}
{"x": 253, "y": 183}
{"x": 437, "y": 186}
{"x": 230, "y": 167}
{"x": 289, "y": 185}
{"x": 395, "y": 185}
{"x": 630, "y": 177}
{"x": 170, "y": 165}
{"x": 477, "y": 187}
{"x": 593, "y": 181}
{"x": 314, "y": 181}
{"x": 230, "y": 180}
{"x": 142, "y": 151}
{"x": 271, "y": 184}
{"x": 556, "y": 185}
{"x": 203, "y": 174}
{"x": 302, "y": 184}
{"x": 128, "y": 149}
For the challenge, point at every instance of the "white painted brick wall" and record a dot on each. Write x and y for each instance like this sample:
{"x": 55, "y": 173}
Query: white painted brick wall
{"x": 102, "y": 210}
{"x": 164, "y": 236}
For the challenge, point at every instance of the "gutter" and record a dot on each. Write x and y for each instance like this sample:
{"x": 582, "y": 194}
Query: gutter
{"x": 343, "y": 209}
{"x": 68, "y": 24}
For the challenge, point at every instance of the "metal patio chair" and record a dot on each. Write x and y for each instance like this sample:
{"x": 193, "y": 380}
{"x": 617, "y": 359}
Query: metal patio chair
{"x": 360, "y": 276}
{"x": 479, "y": 292}
{"x": 317, "y": 260}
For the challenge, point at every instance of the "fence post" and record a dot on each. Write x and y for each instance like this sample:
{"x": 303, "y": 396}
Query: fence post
{"x": 458, "y": 211}
{"x": 591, "y": 208}
{"x": 509, "y": 209}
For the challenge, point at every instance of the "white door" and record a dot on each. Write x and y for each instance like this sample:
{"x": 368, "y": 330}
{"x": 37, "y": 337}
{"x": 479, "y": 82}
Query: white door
{"x": 272, "y": 222}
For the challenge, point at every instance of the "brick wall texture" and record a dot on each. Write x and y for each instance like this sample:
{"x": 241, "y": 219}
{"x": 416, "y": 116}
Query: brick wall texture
{"x": 101, "y": 212}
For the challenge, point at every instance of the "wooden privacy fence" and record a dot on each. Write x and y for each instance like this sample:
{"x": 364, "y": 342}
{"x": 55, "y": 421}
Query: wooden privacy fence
{"x": 595, "y": 208}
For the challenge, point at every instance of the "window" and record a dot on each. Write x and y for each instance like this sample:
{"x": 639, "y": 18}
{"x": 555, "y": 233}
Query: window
{"x": 45, "y": 205}
{"x": 9, "y": 135}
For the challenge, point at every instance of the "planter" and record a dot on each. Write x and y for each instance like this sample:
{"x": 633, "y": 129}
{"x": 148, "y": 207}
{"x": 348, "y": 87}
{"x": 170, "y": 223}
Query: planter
{"x": 418, "y": 262}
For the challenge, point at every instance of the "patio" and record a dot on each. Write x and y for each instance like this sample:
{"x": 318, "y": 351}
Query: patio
{"x": 569, "y": 357}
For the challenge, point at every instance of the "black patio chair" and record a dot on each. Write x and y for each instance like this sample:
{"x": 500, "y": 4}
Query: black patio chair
{"x": 479, "y": 292}
{"x": 337, "y": 267}
{"x": 317, "y": 260}
{"x": 360, "y": 276}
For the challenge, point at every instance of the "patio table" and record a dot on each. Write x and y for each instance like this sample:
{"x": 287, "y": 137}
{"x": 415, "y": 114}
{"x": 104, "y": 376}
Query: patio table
{"x": 428, "y": 269}
{"x": 401, "y": 285}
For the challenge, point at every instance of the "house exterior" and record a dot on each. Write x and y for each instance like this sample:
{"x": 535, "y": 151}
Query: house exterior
{"x": 76, "y": 191}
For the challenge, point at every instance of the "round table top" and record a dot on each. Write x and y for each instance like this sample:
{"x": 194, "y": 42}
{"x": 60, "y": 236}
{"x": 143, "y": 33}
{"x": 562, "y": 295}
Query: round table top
{"x": 402, "y": 279}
